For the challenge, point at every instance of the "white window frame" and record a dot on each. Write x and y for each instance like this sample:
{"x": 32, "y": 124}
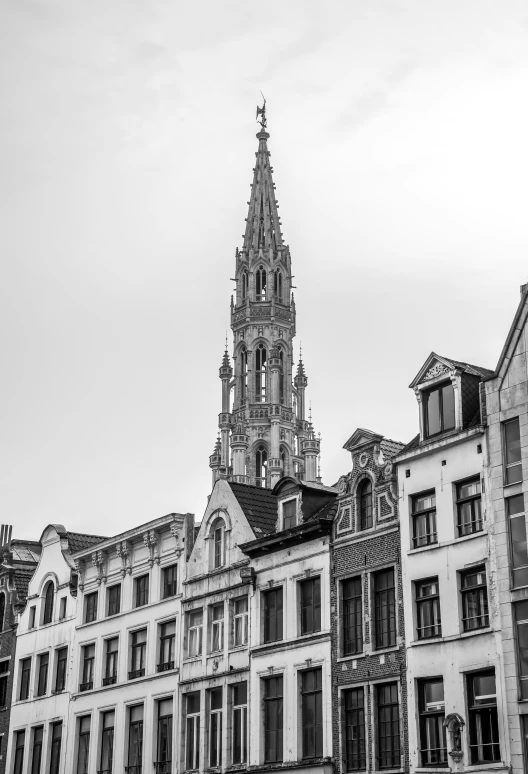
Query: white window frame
{"x": 194, "y": 634}
{"x": 244, "y": 619}
{"x": 217, "y": 628}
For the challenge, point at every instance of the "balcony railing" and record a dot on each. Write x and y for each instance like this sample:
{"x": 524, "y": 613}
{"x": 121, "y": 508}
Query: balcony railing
{"x": 162, "y": 767}
{"x": 112, "y": 680}
{"x": 136, "y": 673}
{"x": 86, "y": 686}
{"x": 165, "y": 666}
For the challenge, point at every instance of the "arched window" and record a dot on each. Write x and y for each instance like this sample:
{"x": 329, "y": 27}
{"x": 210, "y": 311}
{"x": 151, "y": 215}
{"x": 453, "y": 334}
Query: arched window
{"x": 261, "y": 466}
{"x": 281, "y": 376}
{"x": 48, "y": 603}
{"x": 2, "y": 611}
{"x": 365, "y": 504}
{"x": 284, "y": 460}
{"x": 244, "y": 286}
{"x": 277, "y": 285}
{"x": 261, "y": 366}
{"x": 218, "y": 543}
{"x": 261, "y": 283}
{"x": 243, "y": 375}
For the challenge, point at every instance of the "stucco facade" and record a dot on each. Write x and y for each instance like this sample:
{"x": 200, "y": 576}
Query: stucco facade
{"x": 449, "y": 570}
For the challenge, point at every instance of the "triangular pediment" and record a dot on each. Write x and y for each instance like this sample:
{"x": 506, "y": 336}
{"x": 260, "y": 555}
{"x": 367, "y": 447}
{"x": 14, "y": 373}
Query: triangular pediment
{"x": 434, "y": 366}
{"x": 362, "y": 437}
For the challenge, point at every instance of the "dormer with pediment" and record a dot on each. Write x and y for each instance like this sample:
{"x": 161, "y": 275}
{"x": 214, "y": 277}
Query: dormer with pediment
{"x": 449, "y": 395}
{"x": 368, "y": 494}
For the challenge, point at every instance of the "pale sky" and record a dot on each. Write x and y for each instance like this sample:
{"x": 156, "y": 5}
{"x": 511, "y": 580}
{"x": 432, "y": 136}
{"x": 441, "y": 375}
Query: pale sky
{"x": 399, "y": 143}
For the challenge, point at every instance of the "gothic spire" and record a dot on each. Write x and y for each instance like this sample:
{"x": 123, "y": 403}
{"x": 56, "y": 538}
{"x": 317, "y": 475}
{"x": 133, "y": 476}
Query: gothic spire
{"x": 263, "y": 229}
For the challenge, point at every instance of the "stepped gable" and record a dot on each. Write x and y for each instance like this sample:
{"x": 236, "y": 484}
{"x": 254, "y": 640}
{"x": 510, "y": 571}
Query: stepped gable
{"x": 259, "y": 506}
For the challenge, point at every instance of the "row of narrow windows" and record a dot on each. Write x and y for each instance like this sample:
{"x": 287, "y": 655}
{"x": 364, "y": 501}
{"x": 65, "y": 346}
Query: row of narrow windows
{"x": 261, "y": 285}
{"x": 261, "y": 371}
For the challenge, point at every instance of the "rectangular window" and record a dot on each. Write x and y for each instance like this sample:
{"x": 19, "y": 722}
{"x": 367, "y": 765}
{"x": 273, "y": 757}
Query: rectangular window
{"x": 20, "y": 741}
{"x": 170, "y": 581}
{"x": 428, "y": 618}
{"x": 474, "y": 599}
{"x": 388, "y": 713}
{"x": 192, "y": 735}
{"x": 312, "y": 713}
{"x": 25, "y": 674}
{"x": 289, "y": 514}
{"x": 240, "y": 620}
{"x": 195, "y": 621}
{"x": 107, "y": 742}
{"x": 521, "y": 620}
{"x": 218, "y": 547}
{"x": 142, "y": 590}
{"x": 512, "y": 451}
{"x": 354, "y": 736}
{"x": 90, "y": 607}
{"x": 139, "y": 651}
{"x": 135, "y": 740}
{"x": 469, "y": 512}
{"x": 310, "y": 598}
{"x": 113, "y": 600}
{"x": 83, "y": 745}
{"x": 166, "y": 642}
{"x": 110, "y": 669}
{"x": 60, "y": 676}
{"x": 36, "y": 752}
{"x": 424, "y": 520}
{"x": 352, "y": 616}
{"x": 483, "y": 720}
{"x": 518, "y": 549}
{"x": 62, "y": 609}
{"x": 272, "y": 601}
{"x": 239, "y": 694}
{"x": 273, "y": 720}
{"x": 43, "y": 664}
{"x": 88, "y": 661}
{"x": 433, "y": 742}
{"x": 3, "y": 690}
{"x": 217, "y": 627}
{"x": 439, "y": 409}
{"x": 384, "y": 609}
{"x": 55, "y": 753}
{"x": 215, "y": 728}
{"x": 164, "y": 737}
{"x": 32, "y": 612}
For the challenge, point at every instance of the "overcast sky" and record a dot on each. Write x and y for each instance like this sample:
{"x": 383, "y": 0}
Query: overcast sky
{"x": 399, "y": 143}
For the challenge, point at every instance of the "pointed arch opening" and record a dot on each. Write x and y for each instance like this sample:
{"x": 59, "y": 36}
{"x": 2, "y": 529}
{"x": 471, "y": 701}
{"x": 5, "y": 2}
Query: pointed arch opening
{"x": 49, "y": 598}
{"x": 244, "y": 285}
{"x": 243, "y": 375}
{"x": 277, "y": 285}
{"x": 261, "y": 284}
{"x": 284, "y": 460}
{"x": 364, "y": 502}
{"x": 281, "y": 377}
{"x": 261, "y": 370}
{"x": 261, "y": 466}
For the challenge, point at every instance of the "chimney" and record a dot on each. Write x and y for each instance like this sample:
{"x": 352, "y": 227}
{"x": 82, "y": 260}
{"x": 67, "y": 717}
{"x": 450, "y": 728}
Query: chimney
{"x": 5, "y": 537}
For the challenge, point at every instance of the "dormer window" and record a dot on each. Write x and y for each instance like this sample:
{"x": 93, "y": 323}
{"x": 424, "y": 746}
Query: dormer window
{"x": 439, "y": 409}
{"x": 289, "y": 514}
{"x": 49, "y": 597}
{"x": 365, "y": 504}
{"x": 218, "y": 535}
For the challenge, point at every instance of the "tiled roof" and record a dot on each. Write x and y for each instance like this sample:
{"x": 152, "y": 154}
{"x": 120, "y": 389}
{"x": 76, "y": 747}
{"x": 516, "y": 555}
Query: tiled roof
{"x": 390, "y": 448}
{"x": 259, "y": 506}
{"x": 467, "y": 366}
{"x": 77, "y": 541}
{"x": 414, "y": 444}
{"x": 22, "y": 578}
{"x": 328, "y": 511}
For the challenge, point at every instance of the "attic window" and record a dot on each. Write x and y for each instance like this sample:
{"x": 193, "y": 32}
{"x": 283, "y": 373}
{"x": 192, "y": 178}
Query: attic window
{"x": 439, "y": 409}
{"x": 289, "y": 512}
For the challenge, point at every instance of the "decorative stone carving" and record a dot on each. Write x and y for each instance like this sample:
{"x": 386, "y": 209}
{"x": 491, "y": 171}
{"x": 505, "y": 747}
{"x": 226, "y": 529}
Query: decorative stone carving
{"x": 363, "y": 460}
{"x": 150, "y": 539}
{"x": 437, "y": 370}
{"x": 454, "y": 724}
{"x": 387, "y": 470}
{"x": 123, "y": 551}
{"x": 81, "y": 569}
{"x": 99, "y": 561}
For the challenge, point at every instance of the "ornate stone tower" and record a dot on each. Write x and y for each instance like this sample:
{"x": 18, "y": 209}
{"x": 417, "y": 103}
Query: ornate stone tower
{"x": 263, "y": 432}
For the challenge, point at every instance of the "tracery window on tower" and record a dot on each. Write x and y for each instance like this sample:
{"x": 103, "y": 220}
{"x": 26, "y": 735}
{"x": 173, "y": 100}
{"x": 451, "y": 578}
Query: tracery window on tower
{"x": 281, "y": 376}
{"x": 243, "y": 375}
{"x": 261, "y": 368}
{"x": 261, "y": 466}
{"x": 244, "y": 286}
{"x": 277, "y": 284}
{"x": 261, "y": 284}
{"x": 284, "y": 460}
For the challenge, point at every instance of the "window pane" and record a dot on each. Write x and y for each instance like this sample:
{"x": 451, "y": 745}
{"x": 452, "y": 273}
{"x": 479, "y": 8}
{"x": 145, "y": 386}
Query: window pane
{"x": 432, "y": 407}
{"x": 448, "y": 407}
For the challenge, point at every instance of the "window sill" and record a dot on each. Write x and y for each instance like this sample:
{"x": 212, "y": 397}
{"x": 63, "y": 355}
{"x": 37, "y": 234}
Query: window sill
{"x": 497, "y": 766}
{"x": 235, "y": 649}
{"x": 353, "y": 657}
{"x": 131, "y": 611}
{"x": 423, "y": 769}
{"x": 191, "y": 660}
{"x": 447, "y": 543}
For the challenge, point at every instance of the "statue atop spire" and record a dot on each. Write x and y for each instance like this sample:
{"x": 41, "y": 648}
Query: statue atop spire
{"x": 261, "y": 111}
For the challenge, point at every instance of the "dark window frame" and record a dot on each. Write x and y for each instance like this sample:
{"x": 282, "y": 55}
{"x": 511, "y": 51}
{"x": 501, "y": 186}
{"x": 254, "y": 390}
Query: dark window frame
{"x": 384, "y": 600}
{"x": 474, "y": 504}
{"x": 475, "y": 595}
{"x": 289, "y": 513}
{"x": 273, "y": 623}
{"x": 83, "y": 743}
{"x": 426, "y": 395}
{"x": 113, "y": 604}
{"x": 167, "y": 643}
{"x": 192, "y": 730}
{"x": 365, "y": 505}
{"x": 354, "y": 732}
{"x": 138, "y": 653}
{"x": 388, "y": 754}
{"x": 311, "y": 690}
{"x": 106, "y": 754}
{"x": 482, "y": 713}
{"x": 170, "y": 581}
{"x": 431, "y": 727}
{"x": 42, "y": 673}
{"x": 310, "y": 606}
{"x": 49, "y": 599}
{"x": 516, "y": 518}
{"x": 90, "y": 607}
{"x": 141, "y": 595}
{"x": 25, "y": 679}
{"x": 273, "y": 693}
{"x": 88, "y": 666}
{"x": 512, "y": 455}
{"x": 352, "y": 616}
{"x": 37, "y": 740}
{"x": 216, "y": 711}
{"x": 60, "y": 674}
{"x": 111, "y": 660}
{"x": 428, "y": 515}
{"x": 163, "y": 764}
{"x": 56, "y": 746}
{"x": 428, "y": 605}
{"x": 135, "y": 741}
{"x": 19, "y": 750}
{"x": 239, "y": 730}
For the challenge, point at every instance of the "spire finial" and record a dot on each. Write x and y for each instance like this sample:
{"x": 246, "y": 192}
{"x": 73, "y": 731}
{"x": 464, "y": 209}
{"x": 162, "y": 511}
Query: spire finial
{"x": 310, "y": 413}
{"x": 261, "y": 111}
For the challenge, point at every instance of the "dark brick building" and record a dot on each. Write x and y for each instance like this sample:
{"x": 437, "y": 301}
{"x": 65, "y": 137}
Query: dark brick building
{"x": 368, "y": 637}
{"x": 18, "y": 559}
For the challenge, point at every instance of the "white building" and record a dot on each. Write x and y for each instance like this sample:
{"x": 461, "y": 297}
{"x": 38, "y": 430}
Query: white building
{"x": 124, "y": 678}
{"x": 456, "y": 703}
{"x": 44, "y": 657}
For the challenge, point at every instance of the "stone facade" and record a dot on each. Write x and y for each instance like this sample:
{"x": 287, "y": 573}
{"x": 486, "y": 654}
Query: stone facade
{"x": 366, "y": 546}
{"x": 507, "y": 500}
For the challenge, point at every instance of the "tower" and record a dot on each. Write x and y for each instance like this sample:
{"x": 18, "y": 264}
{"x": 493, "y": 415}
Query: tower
{"x": 263, "y": 430}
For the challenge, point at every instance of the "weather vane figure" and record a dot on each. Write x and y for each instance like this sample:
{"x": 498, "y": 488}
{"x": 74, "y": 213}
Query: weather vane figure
{"x": 261, "y": 111}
